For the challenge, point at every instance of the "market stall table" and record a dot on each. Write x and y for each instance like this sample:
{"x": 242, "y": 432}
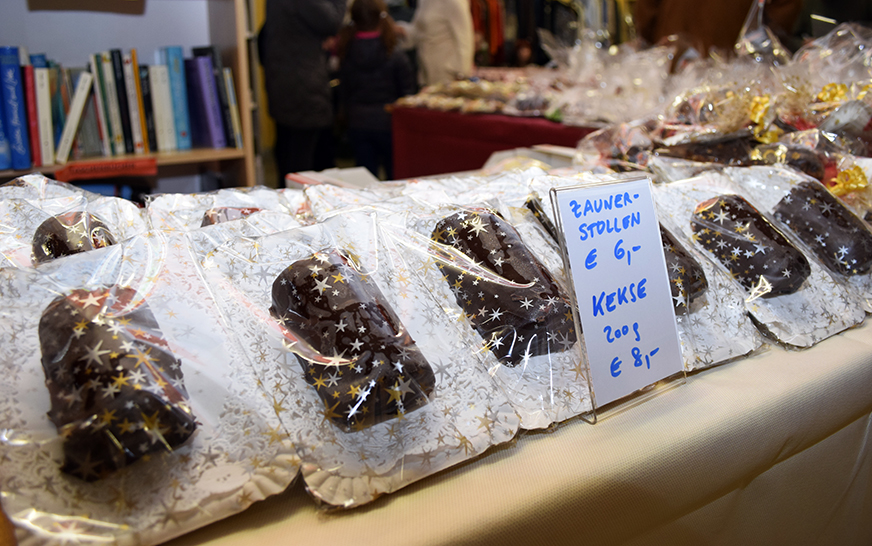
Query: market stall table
{"x": 771, "y": 449}
{"x": 428, "y": 142}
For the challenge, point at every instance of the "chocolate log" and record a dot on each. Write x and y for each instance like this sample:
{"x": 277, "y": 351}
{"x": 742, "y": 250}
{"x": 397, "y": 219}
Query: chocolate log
{"x": 757, "y": 255}
{"x": 508, "y": 295}
{"x": 837, "y": 237}
{"x": 733, "y": 151}
{"x": 225, "y": 214}
{"x": 686, "y": 277}
{"x": 117, "y": 393}
{"x": 353, "y": 349}
{"x": 69, "y": 233}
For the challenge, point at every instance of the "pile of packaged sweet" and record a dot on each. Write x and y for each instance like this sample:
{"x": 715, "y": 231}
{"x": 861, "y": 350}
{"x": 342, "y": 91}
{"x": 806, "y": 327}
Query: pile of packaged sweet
{"x": 510, "y": 92}
{"x": 167, "y": 366}
{"x": 592, "y": 86}
{"x": 589, "y": 86}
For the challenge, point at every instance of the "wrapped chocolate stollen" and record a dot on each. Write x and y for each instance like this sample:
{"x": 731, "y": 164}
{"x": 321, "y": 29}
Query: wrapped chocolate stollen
{"x": 756, "y": 254}
{"x": 789, "y": 294}
{"x": 129, "y": 414}
{"x": 514, "y": 303}
{"x": 69, "y": 233}
{"x": 826, "y": 228}
{"x": 686, "y": 277}
{"x": 43, "y": 219}
{"x": 531, "y": 350}
{"x": 218, "y": 215}
{"x": 117, "y": 395}
{"x": 377, "y": 371}
{"x": 374, "y": 389}
{"x": 187, "y": 212}
{"x": 838, "y": 238}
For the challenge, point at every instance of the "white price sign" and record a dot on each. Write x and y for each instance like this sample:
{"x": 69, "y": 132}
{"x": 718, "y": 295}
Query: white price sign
{"x": 624, "y": 303}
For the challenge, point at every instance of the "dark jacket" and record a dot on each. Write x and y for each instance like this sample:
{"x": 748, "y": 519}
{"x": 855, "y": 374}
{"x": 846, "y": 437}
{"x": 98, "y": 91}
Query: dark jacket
{"x": 370, "y": 79}
{"x": 295, "y": 63}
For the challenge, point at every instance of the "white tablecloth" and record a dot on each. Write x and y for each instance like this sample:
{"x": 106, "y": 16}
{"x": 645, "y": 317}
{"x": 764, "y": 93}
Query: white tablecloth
{"x": 771, "y": 449}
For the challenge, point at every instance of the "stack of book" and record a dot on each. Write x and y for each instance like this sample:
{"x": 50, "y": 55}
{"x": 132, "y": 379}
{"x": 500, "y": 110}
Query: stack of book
{"x": 115, "y": 106}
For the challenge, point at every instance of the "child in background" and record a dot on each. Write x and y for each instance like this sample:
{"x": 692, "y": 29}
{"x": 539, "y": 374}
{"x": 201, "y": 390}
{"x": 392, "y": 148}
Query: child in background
{"x": 373, "y": 73}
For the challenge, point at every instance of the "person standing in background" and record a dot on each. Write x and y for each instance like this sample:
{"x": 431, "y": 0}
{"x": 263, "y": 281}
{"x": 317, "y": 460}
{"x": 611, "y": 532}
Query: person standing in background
{"x": 373, "y": 73}
{"x": 710, "y": 24}
{"x": 292, "y": 42}
{"x": 442, "y": 33}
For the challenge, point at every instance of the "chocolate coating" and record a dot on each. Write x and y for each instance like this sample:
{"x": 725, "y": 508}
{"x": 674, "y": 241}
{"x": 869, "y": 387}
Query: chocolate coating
{"x": 686, "y": 277}
{"x": 514, "y": 305}
{"x": 353, "y": 349}
{"x": 69, "y": 233}
{"x": 757, "y": 255}
{"x": 116, "y": 391}
{"x": 732, "y": 152}
{"x": 225, "y": 214}
{"x": 837, "y": 237}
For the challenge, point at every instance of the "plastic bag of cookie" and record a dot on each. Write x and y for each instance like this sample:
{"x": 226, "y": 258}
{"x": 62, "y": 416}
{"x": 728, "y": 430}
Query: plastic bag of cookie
{"x": 376, "y": 390}
{"x": 127, "y": 414}
{"x": 791, "y": 296}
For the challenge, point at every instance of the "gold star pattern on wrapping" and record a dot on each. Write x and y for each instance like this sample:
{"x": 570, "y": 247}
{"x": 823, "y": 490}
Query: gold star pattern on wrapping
{"x": 69, "y": 233}
{"x": 838, "y": 238}
{"x": 364, "y": 365}
{"x": 757, "y": 255}
{"x": 686, "y": 278}
{"x": 508, "y": 296}
{"x": 117, "y": 393}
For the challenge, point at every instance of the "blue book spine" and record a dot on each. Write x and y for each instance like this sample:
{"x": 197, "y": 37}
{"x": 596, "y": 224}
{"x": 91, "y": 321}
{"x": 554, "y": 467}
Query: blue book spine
{"x": 14, "y": 108}
{"x": 5, "y": 152}
{"x": 172, "y": 57}
{"x": 211, "y": 104}
{"x": 39, "y": 60}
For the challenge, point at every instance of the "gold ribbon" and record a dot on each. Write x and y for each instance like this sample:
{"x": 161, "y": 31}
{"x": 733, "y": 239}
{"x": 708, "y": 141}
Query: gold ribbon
{"x": 864, "y": 91}
{"x": 848, "y": 181}
{"x": 833, "y": 92}
{"x": 758, "y": 111}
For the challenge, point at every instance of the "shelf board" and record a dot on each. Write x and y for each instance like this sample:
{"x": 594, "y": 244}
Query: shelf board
{"x": 199, "y": 155}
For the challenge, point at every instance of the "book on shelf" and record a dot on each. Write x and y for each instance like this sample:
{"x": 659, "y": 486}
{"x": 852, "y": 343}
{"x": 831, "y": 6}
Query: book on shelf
{"x": 123, "y": 102}
{"x": 173, "y": 58}
{"x": 39, "y": 60}
{"x": 140, "y": 104}
{"x": 130, "y": 77}
{"x": 5, "y": 152}
{"x": 199, "y": 138}
{"x": 32, "y": 117}
{"x": 164, "y": 124}
{"x": 204, "y": 104}
{"x": 147, "y": 109}
{"x": 88, "y": 138}
{"x": 77, "y": 106}
{"x": 236, "y": 122}
{"x": 111, "y": 98}
{"x": 212, "y": 52}
{"x": 59, "y": 104}
{"x": 14, "y": 109}
{"x": 43, "y": 112}
{"x": 102, "y": 112}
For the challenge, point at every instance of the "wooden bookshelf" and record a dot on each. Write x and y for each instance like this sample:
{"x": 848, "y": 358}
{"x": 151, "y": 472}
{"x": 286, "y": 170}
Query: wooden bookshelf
{"x": 200, "y": 160}
{"x": 228, "y": 29}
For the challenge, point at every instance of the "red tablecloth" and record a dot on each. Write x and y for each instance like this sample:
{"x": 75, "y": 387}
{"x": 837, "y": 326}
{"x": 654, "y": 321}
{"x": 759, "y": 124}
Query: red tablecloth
{"x": 428, "y": 142}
